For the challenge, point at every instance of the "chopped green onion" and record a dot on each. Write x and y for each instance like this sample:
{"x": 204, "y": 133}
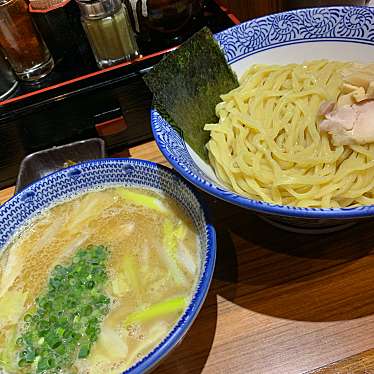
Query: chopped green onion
{"x": 43, "y": 364}
{"x": 30, "y": 356}
{"x": 84, "y": 351}
{"x": 22, "y": 363}
{"x": 67, "y": 317}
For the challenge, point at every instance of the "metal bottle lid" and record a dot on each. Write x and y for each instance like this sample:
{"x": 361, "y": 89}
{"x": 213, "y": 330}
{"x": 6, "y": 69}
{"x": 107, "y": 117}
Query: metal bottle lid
{"x": 98, "y": 8}
{"x": 5, "y": 2}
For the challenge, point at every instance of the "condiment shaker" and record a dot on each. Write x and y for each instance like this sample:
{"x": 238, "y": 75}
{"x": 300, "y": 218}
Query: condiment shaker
{"x": 165, "y": 23}
{"x": 59, "y": 23}
{"x": 21, "y": 42}
{"x": 109, "y": 31}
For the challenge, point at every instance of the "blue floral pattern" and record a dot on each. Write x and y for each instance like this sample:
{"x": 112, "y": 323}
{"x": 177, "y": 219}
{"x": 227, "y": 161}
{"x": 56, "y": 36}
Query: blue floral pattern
{"x": 319, "y": 23}
{"x": 283, "y": 27}
{"x": 356, "y": 23}
{"x": 305, "y": 25}
{"x": 98, "y": 174}
{"x": 338, "y": 23}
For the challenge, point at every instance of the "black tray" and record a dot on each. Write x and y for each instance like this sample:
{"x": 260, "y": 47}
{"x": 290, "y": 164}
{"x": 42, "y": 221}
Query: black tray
{"x": 71, "y": 75}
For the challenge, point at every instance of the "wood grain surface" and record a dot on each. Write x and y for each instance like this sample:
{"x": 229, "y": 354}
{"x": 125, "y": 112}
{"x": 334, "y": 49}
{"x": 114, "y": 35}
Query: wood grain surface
{"x": 357, "y": 364}
{"x": 279, "y": 303}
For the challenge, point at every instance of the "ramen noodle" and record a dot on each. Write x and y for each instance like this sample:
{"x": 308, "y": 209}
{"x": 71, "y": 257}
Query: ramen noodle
{"x": 268, "y": 144}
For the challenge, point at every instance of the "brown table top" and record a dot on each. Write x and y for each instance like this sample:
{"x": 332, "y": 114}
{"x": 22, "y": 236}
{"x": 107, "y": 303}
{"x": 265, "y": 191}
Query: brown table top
{"x": 279, "y": 302}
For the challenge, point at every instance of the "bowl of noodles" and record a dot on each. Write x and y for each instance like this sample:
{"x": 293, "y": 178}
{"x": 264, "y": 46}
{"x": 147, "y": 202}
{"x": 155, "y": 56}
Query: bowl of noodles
{"x": 103, "y": 268}
{"x": 284, "y": 144}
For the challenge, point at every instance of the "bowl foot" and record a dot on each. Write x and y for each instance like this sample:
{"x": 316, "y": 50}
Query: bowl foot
{"x": 322, "y": 229}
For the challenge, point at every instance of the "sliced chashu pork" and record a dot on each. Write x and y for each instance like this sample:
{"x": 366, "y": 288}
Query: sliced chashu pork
{"x": 351, "y": 124}
{"x": 351, "y": 119}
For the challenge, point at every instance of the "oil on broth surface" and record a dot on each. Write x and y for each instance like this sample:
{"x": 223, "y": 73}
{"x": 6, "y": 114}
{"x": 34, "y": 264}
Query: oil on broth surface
{"x": 152, "y": 267}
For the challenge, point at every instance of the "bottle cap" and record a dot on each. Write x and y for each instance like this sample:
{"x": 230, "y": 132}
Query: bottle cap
{"x": 4, "y": 2}
{"x": 98, "y": 8}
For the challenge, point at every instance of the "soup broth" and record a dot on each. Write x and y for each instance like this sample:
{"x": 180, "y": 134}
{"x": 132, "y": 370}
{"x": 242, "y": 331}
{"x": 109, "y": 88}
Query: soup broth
{"x": 133, "y": 249}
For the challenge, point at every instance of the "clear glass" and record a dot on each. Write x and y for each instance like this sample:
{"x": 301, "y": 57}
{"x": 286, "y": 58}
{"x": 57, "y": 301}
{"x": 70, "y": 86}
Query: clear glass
{"x": 111, "y": 38}
{"x": 170, "y": 16}
{"x": 21, "y": 42}
{"x": 165, "y": 23}
{"x": 8, "y": 81}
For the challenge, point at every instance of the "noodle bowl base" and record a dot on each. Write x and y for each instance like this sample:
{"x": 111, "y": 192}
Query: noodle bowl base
{"x": 304, "y": 226}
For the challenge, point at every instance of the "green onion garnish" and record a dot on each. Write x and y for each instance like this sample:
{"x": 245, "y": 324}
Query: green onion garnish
{"x": 68, "y": 315}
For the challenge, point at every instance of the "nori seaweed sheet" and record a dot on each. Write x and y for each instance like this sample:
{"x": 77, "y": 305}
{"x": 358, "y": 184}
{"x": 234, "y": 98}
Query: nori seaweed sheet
{"x": 187, "y": 84}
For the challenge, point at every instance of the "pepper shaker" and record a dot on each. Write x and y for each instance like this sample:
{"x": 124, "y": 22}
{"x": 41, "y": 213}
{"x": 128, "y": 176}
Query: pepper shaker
{"x": 165, "y": 23}
{"x": 59, "y": 23}
{"x": 109, "y": 31}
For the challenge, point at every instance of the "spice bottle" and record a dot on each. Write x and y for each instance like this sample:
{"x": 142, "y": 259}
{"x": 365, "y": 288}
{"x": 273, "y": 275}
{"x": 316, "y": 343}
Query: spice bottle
{"x": 59, "y": 23}
{"x": 109, "y": 32}
{"x": 164, "y": 23}
{"x": 169, "y": 16}
{"x": 21, "y": 42}
{"x": 8, "y": 81}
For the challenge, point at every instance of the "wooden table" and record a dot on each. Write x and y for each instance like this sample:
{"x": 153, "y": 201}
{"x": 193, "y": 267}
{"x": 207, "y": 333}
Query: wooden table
{"x": 279, "y": 302}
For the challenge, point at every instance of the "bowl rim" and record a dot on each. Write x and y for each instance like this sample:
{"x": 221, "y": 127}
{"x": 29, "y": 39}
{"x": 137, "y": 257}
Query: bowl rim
{"x": 301, "y": 41}
{"x": 201, "y": 289}
{"x": 231, "y": 196}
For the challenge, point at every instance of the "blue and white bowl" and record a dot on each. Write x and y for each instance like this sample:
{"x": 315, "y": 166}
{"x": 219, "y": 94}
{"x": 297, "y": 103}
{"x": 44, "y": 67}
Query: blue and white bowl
{"x": 67, "y": 183}
{"x": 339, "y": 33}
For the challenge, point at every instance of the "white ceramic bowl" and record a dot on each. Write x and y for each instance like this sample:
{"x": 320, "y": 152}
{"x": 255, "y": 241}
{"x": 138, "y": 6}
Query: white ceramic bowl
{"x": 91, "y": 175}
{"x": 338, "y": 33}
